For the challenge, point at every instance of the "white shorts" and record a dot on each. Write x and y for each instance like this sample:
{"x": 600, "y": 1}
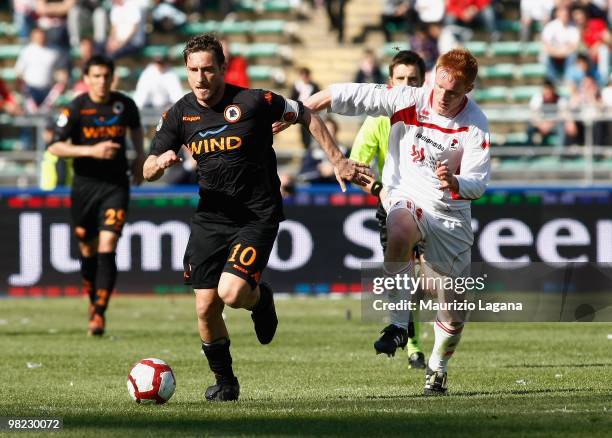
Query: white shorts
{"x": 447, "y": 238}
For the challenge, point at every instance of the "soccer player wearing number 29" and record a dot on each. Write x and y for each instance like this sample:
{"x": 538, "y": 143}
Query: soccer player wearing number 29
{"x": 438, "y": 161}
{"x": 93, "y": 130}
{"x": 229, "y": 132}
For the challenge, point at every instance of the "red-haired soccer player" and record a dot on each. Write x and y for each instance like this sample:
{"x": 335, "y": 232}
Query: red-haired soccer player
{"x": 438, "y": 161}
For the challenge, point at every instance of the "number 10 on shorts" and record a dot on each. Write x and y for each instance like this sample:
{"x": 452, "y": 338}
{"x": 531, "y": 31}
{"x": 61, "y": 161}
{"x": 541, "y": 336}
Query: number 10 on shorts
{"x": 246, "y": 256}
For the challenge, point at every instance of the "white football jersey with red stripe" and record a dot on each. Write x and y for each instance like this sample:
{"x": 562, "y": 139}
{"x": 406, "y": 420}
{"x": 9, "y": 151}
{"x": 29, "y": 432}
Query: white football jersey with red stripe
{"x": 419, "y": 139}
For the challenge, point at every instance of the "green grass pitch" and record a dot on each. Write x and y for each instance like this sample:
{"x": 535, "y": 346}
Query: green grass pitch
{"x": 319, "y": 377}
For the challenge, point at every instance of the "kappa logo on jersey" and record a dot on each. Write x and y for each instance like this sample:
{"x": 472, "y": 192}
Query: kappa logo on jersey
{"x": 232, "y": 113}
{"x": 454, "y": 145}
{"x": 423, "y": 115}
{"x": 417, "y": 155}
{"x": 191, "y": 118}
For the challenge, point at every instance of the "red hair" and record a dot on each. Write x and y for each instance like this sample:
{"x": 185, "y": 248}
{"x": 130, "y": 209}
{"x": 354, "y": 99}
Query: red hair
{"x": 460, "y": 64}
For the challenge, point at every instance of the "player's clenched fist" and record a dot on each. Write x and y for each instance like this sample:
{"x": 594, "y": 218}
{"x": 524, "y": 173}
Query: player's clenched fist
{"x": 350, "y": 170}
{"x": 105, "y": 150}
{"x": 447, "y": 179}
{"x": 167, "y": 159}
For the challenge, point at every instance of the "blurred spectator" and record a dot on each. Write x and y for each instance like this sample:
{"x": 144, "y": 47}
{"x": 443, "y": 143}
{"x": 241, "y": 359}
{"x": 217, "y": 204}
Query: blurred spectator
{"x": 595, "y": 37}
{"x": 547, "y": 103}
{"x": 127, "y": 35}
{"x": 24, "y": 18}
{"x": 397, "y": 15}
{"x": 425, "y": 43}
{"x": 303, "y": 88}
{"x": 369, "y": 69}
{"x": 586, "y": 99}
{"x": 335, "y": 11}
{"x": 595, "y": 8}
{"x": 472, "y": 12}
{"x": 580, "y": 69}
{"x": 35, "y": 66}
{"x": 534, "y": 11}
{"x": 430, "y": 11}
{"x": 316, "y": 168}
{"x": 606, "y": 95}
{"x": 236, "y": 70}
{"x": 8, "y": 102}
{"x": 166, "y": 16}
{"x": 88, "y": 18}
{"x": 560, "y": 41}
{"x": 53, "y": 18}
{"x": 158, "y": 85}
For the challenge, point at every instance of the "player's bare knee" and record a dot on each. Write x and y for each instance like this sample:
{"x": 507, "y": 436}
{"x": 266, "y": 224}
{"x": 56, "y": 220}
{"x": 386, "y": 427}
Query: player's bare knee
{"x": 231, "y": 294}
{"x": 208, "y": 307}
{"x": 107, "y": 241}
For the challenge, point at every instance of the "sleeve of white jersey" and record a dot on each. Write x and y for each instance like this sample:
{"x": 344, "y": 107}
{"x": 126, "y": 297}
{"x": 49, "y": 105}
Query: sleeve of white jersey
{"x": 370, "y": 99}
{"x": 475, "y": 168}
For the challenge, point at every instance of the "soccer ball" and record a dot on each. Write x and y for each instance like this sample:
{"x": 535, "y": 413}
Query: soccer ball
{"x": 151, "y": 381}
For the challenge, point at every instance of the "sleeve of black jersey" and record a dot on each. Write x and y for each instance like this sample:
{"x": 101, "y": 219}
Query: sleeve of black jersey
{"x": 279, "y": 108}
{"x": 65, "y": 122}
{"x": 133, "y": 119}
{"x": 168, "y": 133}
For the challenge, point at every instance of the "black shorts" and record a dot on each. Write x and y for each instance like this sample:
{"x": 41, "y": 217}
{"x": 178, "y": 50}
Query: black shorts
{"x": 213, "y": 248}
{"x": 98, "y": 205}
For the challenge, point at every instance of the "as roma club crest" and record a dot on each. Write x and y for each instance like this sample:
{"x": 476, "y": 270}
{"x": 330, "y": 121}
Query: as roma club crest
{"x": 232, "y": 113}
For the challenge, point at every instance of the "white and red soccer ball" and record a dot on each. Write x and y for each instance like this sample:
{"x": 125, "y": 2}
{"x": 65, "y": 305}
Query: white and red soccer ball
{"x": 151, "y": 381}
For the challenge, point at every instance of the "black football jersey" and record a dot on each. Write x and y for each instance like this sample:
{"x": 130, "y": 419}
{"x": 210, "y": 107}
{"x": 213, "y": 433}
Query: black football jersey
{"x": 85, "y": 122}
{"x": 232, "y": 144}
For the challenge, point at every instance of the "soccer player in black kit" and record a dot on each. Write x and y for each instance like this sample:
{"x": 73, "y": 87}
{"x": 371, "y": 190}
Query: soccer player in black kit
{"x": 228, "y": 130}
{"x": 92, "y": 129}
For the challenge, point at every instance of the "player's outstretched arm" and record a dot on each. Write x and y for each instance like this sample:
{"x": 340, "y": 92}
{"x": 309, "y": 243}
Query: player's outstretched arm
{"x": 105, "y": 150}
{"x": 344, "y": 168}
{"x": 319, "y": 101}
{"x": 155, "y": 165}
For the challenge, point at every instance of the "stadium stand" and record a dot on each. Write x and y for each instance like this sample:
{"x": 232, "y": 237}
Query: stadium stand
{"x": 276, "y": 36}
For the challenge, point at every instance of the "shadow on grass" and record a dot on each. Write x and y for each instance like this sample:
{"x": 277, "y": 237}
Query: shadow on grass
{"x": 357, "y": 424}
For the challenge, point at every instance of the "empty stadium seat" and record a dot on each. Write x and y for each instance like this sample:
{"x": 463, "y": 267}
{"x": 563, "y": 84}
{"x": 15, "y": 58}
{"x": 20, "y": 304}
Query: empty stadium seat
{"x": 478, "y": 48}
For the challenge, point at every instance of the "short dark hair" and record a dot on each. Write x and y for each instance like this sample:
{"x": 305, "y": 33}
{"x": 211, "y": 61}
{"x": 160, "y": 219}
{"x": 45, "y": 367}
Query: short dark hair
{"x": 407, "y": 57}
{"x": 207, "y": 42}
{"x": 99, "y": 60}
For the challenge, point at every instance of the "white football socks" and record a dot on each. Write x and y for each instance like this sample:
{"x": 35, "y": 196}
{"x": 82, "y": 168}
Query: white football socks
{"x": 447, "y": 338}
